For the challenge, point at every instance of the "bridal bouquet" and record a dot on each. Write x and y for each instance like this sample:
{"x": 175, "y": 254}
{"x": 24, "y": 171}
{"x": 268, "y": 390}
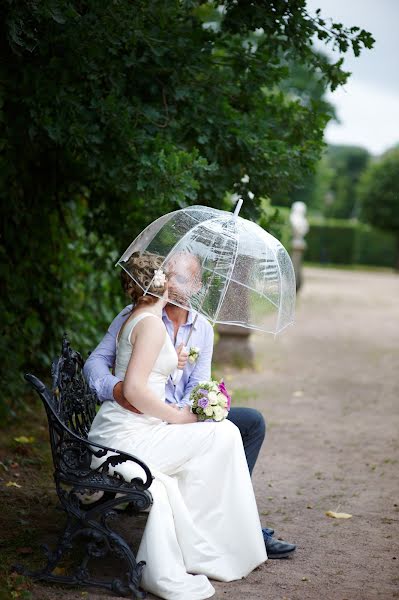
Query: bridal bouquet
{"x": 210, "y": 401}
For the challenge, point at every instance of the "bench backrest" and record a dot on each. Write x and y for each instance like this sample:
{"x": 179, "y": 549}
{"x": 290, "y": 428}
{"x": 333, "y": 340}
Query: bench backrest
{"x": 70, "y": 408}
{"x": 72, "y": 399}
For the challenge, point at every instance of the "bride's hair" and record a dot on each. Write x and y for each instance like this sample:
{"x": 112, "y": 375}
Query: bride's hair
{"x": 142, "y": 266}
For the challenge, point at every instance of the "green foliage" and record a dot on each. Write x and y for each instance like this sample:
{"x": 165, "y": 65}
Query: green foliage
{"x": 332, "y": 189}
{"x": 316, "y": 190}
{"x": 344, "y": 242}
{"x": 331, "y": 242}
{"x": 62, "y": 280}
{"x": 112, "y": 113}
{"x": 347, "y": 164}
{"x": 374, "y": 247}
{"x": 275, "y": 220}
{"x": 131, "y": 94}
{"x": 378, "y": 191}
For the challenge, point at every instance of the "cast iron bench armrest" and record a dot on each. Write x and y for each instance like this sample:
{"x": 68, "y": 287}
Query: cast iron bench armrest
{"x": 73, "y": 468}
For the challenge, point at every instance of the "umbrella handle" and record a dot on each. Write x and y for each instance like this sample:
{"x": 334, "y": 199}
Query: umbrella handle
{"x": 177, "y": 373}
{"x": 176, "y": 376}
{"x": 191, "y": 330}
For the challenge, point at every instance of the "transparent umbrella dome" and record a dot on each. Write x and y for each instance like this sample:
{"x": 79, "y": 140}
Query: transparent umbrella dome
{"x": 222, "y": 266}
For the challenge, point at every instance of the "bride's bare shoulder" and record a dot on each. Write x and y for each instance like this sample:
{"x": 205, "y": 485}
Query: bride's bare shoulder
{"x": 150, "y": 327}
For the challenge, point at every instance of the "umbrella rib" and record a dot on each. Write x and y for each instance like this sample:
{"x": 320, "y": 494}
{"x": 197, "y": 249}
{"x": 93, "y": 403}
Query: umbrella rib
{"x": 231, "y": 269}
{"x": 212, "y": 272}
{"x": 254, "y": 327}
{"x": 174, "y": 248}
{"x": 209, "y": 283}
{"x": 245, "y": 286}
{"x": 165, "y": 218}
{"x": 202, "y": 263}
{"x": 130, "y": 275}
{"x": 203, "y": 298}
{"x": 262, "y": 271}
{"x": 280, "y": 281}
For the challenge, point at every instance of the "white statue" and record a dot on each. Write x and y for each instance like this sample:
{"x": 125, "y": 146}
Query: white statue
{"x": 300, "y": 227}
{"x": 299, "y": 224}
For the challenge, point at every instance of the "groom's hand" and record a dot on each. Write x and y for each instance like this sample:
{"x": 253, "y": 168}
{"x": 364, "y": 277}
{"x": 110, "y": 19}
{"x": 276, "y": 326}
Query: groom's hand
{"x": 182, "y": 356}
{"x": 120, "y": 398}
{"x": 118, "y": 392}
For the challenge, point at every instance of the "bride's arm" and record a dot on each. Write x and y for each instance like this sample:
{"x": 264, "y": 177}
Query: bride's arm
{"x": 148, "y": 337}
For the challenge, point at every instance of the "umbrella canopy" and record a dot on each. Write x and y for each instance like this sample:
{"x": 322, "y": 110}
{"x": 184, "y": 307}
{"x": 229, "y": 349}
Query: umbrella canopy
{"x": 222, "y": 266}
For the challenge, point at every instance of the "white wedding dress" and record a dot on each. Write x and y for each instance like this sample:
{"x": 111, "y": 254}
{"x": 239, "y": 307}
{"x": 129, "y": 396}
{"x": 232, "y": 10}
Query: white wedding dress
{"x": 204, "y": 521}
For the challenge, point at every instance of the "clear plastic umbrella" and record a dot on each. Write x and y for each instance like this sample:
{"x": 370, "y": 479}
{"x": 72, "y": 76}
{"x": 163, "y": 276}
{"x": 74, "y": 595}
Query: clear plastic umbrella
{"x": 222, "y": 266}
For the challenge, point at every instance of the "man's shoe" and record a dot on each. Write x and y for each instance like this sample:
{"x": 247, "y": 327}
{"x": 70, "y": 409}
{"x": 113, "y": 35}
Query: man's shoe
{"x": 267, "y": 531}
{"x": 277, "y": 548}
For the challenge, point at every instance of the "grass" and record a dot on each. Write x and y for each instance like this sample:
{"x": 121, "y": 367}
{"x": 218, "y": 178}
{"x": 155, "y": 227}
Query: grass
{"x": 28, "y": 497}
{"x": 243, "y": 395}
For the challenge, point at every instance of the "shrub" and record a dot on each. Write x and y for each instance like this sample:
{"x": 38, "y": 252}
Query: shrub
{"x": 344, "y": 242}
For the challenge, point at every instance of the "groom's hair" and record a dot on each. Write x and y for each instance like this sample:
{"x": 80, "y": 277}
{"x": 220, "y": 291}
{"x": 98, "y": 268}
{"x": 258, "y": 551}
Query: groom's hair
{"x": 137, "y": 275}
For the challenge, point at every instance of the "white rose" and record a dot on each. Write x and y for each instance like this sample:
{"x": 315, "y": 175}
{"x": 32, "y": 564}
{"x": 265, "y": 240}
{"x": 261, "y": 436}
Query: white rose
{"x": 222, "y": 400}
{"x": 213, "y": 398}
{"x": 208, "y": 411}
{"x": 218, "y": 413}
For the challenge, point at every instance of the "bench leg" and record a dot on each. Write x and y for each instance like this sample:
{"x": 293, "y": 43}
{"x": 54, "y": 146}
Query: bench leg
{"x": 99, "y": 541}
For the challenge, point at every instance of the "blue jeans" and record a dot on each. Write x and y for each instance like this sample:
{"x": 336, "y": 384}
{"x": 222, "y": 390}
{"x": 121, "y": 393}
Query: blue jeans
{"x": 252, "y": 427}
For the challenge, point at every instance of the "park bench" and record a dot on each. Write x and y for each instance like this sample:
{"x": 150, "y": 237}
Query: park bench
{"x": 70, "y": 409}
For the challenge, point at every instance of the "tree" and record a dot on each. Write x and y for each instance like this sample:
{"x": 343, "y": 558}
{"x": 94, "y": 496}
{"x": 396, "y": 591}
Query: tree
{"x": 146, "y": 101}
{"x": 347, "y": 164}
{"x": 332, "y": 188}
{"x": 309, "y": 86}
{"x": 113, "y": 113}
{"x": 378, "y": 193}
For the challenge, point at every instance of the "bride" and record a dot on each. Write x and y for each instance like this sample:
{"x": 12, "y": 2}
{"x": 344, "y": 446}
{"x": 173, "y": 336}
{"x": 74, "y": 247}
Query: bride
{"x": 204, "y": 521}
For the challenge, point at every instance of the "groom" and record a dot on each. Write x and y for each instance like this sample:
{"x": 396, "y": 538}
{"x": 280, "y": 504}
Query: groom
{"x": 179, "y": 322}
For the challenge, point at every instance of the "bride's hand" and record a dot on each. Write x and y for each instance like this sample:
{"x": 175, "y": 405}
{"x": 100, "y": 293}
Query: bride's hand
{"x": 185, "y": 416}
{"x": 182, "y": 356}
{"x": 188, "y": 416}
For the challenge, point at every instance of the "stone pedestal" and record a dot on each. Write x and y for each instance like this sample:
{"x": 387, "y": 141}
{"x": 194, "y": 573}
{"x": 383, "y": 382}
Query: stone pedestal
{"x": 233, "y": 347}
{"x": 297, "y": 250}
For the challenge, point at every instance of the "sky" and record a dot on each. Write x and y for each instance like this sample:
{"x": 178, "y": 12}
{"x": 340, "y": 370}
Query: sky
{"x": 368, "y": 104}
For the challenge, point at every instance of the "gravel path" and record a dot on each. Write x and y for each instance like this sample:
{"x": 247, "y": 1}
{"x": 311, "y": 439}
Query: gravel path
{"x": 329, "y": 390}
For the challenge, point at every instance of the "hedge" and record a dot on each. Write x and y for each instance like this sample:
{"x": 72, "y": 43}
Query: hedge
{"x": 344, "y": 242}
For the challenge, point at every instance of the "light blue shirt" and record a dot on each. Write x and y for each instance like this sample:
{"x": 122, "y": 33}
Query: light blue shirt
{"x": 101, "y": 360}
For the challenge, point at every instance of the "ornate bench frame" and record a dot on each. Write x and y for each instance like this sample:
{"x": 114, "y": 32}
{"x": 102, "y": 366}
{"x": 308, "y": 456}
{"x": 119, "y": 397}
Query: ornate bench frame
{"x": 71, "y": 408}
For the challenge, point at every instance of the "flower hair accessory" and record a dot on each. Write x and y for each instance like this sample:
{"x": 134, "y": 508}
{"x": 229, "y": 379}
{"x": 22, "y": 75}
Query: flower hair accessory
{"x": 159, "y": 278}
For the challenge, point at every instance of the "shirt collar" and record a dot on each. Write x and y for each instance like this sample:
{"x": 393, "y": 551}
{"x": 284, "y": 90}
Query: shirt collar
{"x": 190, "y": 318}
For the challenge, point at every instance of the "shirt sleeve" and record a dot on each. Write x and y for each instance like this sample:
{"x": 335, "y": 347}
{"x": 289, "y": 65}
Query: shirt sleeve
{"x": 202, "y": 369}
{"x": 97, "y": 367}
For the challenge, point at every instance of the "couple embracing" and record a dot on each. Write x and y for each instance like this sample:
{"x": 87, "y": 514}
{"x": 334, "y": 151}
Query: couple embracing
{"x": 204, "y": 522}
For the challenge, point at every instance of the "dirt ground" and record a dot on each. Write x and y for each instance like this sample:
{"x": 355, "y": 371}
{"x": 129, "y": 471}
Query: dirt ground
{"x": 329, "y": 390}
